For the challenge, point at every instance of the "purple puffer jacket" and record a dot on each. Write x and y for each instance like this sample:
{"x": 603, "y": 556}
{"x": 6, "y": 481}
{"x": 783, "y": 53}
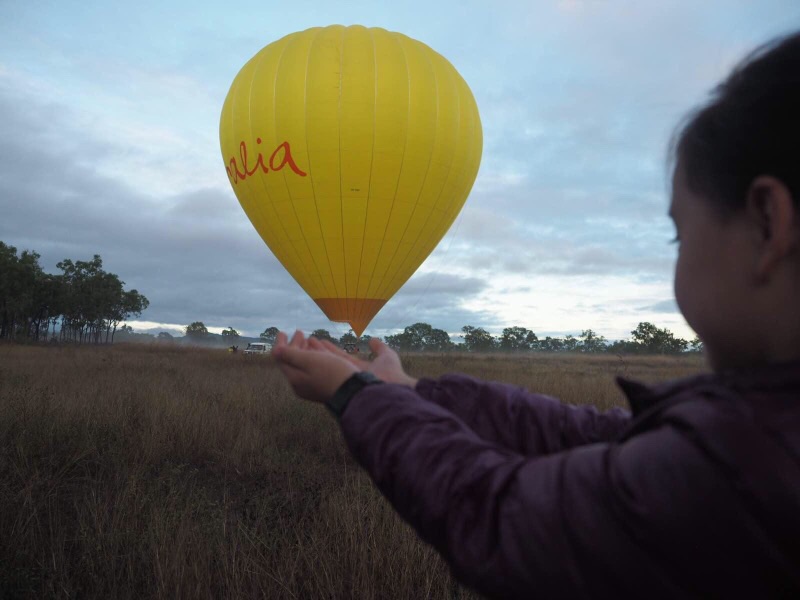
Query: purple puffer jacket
{"x": 694, "y": 494}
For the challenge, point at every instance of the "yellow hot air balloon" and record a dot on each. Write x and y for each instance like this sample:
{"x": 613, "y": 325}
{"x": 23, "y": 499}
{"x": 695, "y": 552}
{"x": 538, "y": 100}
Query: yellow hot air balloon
{"x": 351, "y": 150}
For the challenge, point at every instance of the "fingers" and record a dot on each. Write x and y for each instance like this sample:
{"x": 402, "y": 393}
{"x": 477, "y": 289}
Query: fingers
{"x": 281, "y": 339}
{"x": 298, "y": 340}
{"x": 340, "y": 352}
{"x": 357, "y": 362}
{"x": 314, "y": 344}
{"x": 279, "y": 345}
{"x": 378, "y": 347}
{"x": 326, "y": 346}
{"x": 323, "y": 346}
{"x": 289, "y": 352}
{"x": 299, "y": 359}
{"x": 331, "y": 347}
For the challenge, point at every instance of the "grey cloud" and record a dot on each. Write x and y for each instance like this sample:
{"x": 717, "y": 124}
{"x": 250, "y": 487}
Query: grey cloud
{"x": 405, "y": 310}
{"x": 599, "y": 89}
{"x": 439, "y": 284}
{"x": 436, "y": 298}
{"x": 489, "y": 244}
{"x": 665, "y": 306}
{"x": 194, "y": 256}
{"x": 204, "y": 203}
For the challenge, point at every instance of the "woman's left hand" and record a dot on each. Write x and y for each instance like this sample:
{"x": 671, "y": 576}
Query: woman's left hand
{"x": 313, "y": 374}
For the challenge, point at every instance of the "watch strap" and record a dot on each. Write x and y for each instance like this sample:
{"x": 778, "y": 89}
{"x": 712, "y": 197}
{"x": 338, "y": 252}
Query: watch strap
{"x": 354, "y": 384}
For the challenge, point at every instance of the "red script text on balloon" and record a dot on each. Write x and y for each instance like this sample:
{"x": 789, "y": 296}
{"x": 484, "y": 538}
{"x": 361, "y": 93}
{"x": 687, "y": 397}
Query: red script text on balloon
{"x": 276, "y": 162}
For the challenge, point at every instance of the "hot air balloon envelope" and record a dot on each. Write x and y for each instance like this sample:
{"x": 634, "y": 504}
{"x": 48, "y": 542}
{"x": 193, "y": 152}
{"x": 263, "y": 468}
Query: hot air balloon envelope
{"x": 352, "y": 151}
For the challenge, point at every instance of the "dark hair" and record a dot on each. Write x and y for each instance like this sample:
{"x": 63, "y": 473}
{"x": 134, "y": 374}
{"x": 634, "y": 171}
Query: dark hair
{"x": 750, "y": 127}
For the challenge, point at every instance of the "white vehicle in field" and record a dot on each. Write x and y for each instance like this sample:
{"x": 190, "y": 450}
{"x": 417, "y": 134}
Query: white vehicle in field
{"x": 258, "y": 348}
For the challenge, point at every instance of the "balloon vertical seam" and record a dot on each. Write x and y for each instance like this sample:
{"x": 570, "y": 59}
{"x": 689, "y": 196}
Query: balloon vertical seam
{"x": 383, "y": 282}
{"x": 285, "y": 182}
{"x": 371, "y": 166}
{"x": 383, "y": 289}
{"x": 341, "y": 195}
{"x": 456, "y": 197}
{"x": 434, "y": 230}
{"x": 259, "y": 205}
{"x": 396, "y": 38}
{"x": 461, "y": 193}
{"x": 475, "y": 139}
{"x": 311, "y": 174}
{"x": 252, "y": 205}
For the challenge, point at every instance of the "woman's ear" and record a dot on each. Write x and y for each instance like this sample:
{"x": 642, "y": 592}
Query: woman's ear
{"x": 776, "y": 220}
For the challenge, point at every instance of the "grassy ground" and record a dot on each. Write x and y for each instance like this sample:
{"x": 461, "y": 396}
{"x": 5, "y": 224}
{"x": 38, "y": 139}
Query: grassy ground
{"x": 131, "y": 472}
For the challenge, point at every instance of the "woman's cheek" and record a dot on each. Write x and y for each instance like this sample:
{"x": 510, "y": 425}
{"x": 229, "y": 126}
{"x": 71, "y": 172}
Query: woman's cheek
{"x": 685, "y": 293}
{"x": 679, "y": 286}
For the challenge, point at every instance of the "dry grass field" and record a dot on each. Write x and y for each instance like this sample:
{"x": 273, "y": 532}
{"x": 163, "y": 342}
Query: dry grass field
{"x": 153, "y": 472}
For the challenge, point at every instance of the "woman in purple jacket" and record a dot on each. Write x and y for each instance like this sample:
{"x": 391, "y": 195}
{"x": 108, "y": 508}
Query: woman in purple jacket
{"x": 696, "y": 491}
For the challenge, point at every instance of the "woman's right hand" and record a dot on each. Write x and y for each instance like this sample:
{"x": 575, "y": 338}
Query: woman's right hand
{"x": 386, "y": 365}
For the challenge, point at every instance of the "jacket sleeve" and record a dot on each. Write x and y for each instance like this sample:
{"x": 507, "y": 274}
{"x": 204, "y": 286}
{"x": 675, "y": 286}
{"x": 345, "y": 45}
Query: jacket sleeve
{"x": 512, "y": 417}
{"x": 601, "y": 520}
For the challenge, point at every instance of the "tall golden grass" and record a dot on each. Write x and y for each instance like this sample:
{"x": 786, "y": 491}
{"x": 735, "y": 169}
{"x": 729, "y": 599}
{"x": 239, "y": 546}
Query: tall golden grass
{"x": 130, "y": 472}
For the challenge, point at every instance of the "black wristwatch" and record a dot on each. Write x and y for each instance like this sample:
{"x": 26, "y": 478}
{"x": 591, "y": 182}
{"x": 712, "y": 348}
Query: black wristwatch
{"x": 348, "y": 389}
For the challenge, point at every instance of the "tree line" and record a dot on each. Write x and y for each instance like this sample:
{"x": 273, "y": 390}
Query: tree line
{"x": 83, "y": 303}
{"x": 646, "y": 338}
{"x": 422, "y": 337}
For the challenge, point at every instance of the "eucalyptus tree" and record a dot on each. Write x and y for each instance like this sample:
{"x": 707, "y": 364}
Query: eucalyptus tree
{"x": 517, "y": 339}
{"x": 477, "y": 339}
{"x": 269, "y": 335}
{"x": 421, "y": 337}
{"x": 323, "y": 334}
{"x": 196, "y": 331}
{"x": 84, "y": 300}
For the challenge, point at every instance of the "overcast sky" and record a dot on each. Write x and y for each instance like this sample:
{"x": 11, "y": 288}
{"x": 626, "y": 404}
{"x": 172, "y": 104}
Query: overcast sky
{"x": 109, "y": 145}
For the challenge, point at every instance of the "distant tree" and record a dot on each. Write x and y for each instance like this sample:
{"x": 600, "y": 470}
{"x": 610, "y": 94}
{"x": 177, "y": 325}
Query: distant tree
{"x": 87, "y": 301}
{"x": 653, "y": 340}
{"x": 696, "y": 345}
{"x": 88, "y": 293}
{"x": 126, "y": 334}
{"x": 196, "y": 331}
{"x": 130, "y": 304}
{"x": 230, "y": 334}
{"x": 516, "y": 339}
{"x": 19, "y": 278}
{"x": 477, "y": 339}
{"x": 623, "y": 347}
{"x": 323, "y": 334}
{"x": 591, "y": 342}
{"x": 648, "y": 336}
{"x": 363, "y": 343}
{"x": 49, "y": 299}
{"x": 438, "y": 340}
{"x": 421, "y": 337}
{"x": 348, "y": 338}
{"x": 94, "y": 301}
{"x": 410, "y": 339}
{"x": 164, "y": 337}
{"x": 551, "y": 344}
{"x": 269, "y": 335}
